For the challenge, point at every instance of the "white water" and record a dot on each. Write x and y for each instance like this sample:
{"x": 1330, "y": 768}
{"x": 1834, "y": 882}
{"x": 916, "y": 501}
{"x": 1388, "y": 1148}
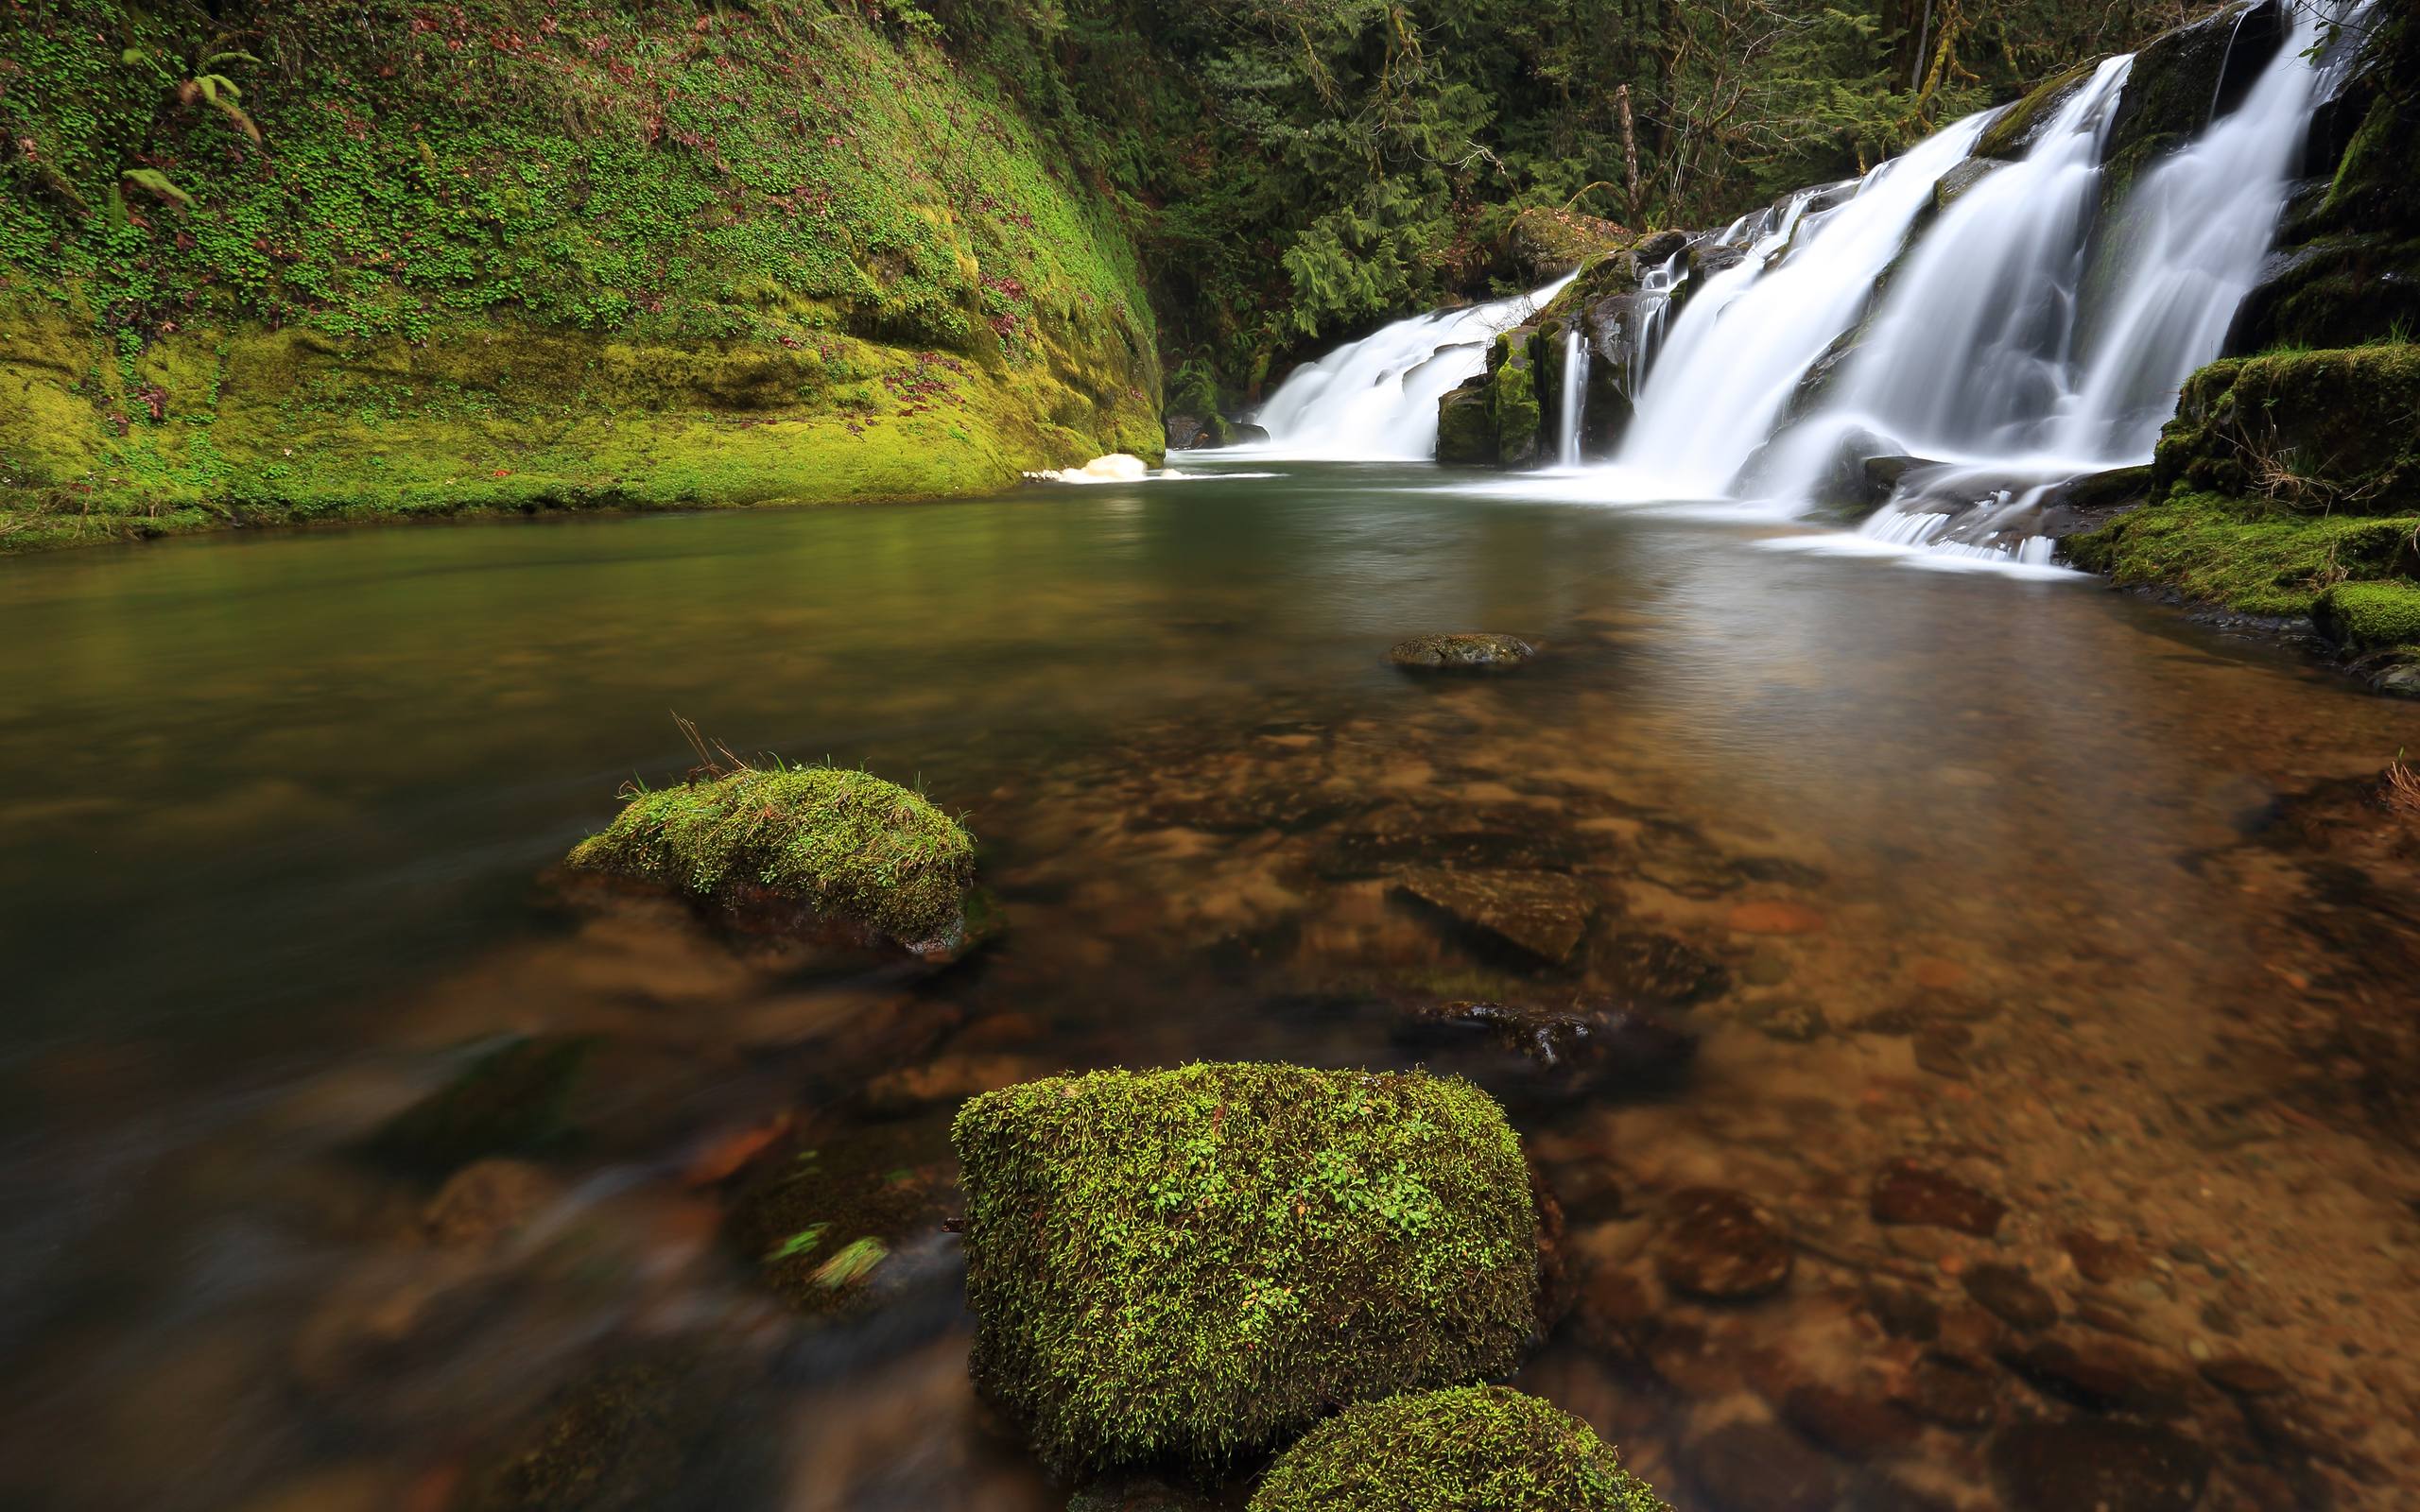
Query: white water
{"x": 1993, "y": 350}
{"x": 1377, "y": 399}
{"x": 1573, "y": 399}
{"x": 1744, "y": 339}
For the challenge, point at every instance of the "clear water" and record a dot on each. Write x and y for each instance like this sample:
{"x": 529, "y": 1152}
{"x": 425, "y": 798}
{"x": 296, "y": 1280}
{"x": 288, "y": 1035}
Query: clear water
{"x": 280, "y": 808}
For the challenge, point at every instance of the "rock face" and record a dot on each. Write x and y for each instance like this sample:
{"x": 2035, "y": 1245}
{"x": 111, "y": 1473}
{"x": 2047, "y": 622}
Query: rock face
{"x": 1462, "y": 651}
{"x": 1187, "y": 1265}
{"x": 1477, "y": 1449}
{"x": 799, "y": 849}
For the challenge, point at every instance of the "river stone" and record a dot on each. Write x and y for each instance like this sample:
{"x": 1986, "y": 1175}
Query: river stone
{"x": 1848, "y": 1422}
{"x": 1951, "y": 1390}
{"x": 2244, "y": 1378}
{"x": 1542, "y": 914}
{"x": 1761, "y": 1467}
{"x": 1497, "y": 837}
{"x": 1658, "y": 968}
{"x": 1481, "y": 650}
{"x": 1563, "y": 1052}
{"x": 1906, "y": 1192}
{"x": 1720, "y": 1247}
{"x": 2089, "y": 1466}
{"x": 513, "y": 1101}
{"x": 2098, "y": 1373}
{"x": 2011, "y": 1294}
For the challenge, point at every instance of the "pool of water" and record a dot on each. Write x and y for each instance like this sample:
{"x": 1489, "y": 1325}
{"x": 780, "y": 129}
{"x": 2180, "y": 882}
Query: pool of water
{"x": 2043, "y": 890}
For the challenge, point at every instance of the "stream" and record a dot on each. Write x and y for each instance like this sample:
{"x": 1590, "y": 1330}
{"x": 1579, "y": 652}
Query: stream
{"x": 1990, "y": 884}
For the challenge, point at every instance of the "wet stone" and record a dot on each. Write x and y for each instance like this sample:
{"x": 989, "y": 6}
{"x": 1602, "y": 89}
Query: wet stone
{"x": 1477, "y": 652}
{"x": 485, "y": 1203}
{"x": 1904, "y": 1312}
{"x": 1718, "y": 1246}
{"x": 1906, "y": 1192}
{"x": 1848, "y": 1422}
{"x": 2013, "y": 1297}
{"x": 1557, "y": 1052}
{"x": 2090, "y": 1466}
{"x": 1541, "y": 914}
{"x": 2100, "y": 1260}
{"x": 2245, "y": 1378}
{"x": 512, "y": 1101}
{"x": 2098, "y": 1373}
{"x": 1504, "y": 837}
{"x": 1658, "y": 968}
{"x": 1790, "y": 1022}
{"x": 1952, "y": 1391}
{"x": 1615, "y": 1314}
{"x": 1761, "y": 1467}
{"x": 1774, "y": 916}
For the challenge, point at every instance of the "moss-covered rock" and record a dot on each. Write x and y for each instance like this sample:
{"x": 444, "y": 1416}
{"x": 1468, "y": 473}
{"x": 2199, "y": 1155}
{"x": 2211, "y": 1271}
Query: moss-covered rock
{"x": 2370, "y": 615}
{"x": 1468, "y": 650}
{"x": 1543, "y": 243}
{"x": 2331, "y": 431}
{"x": 2012, "y": 135}
{"x": 845, "y": 847}
{"x": 1466, "y": 424}
{"x": 1513, "y": 398}
{"x": 1194, "y": 1265}
{"x": 1478, "y": 1449}
{"x": 2245, "y": 555}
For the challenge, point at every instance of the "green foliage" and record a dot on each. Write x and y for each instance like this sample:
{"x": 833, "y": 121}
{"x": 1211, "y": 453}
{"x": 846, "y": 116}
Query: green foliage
{"x": 1194, "y": 1263}
{"x": 2248, "y": 556}
{"x": 1476, "y": 1449}
{"x": 844, "y": 843}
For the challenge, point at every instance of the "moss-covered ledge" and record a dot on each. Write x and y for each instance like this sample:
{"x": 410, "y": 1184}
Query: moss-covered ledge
{"x": 1191, "y": 1265}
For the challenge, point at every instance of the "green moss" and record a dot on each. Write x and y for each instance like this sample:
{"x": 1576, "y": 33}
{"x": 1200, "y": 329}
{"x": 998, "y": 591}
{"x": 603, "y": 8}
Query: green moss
{"x": 1466, "y": 427}
{"x": 844, "y": 843}
{"x": 2248, "y": 556}
{"x": 2330, "y": 431}
{"x": 1513, "y": 398}
{"x": 1192, "y": 1264}
{"x": 2012, "y": 133}
{"x": 2368, "y": 616}
{"x": 539, "y": 258}
{"x": 1478, "y": 1449}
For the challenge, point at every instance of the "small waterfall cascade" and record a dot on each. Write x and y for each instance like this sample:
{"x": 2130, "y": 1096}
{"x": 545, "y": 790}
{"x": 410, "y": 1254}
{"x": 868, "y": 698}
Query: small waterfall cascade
{"x": 1573, "y": 397}
{"x": 1375, "y": 399}
{"x": 1940, "y": 357}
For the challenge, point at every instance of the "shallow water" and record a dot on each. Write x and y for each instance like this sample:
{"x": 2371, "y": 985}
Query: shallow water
{"x": 2039, "y": 886}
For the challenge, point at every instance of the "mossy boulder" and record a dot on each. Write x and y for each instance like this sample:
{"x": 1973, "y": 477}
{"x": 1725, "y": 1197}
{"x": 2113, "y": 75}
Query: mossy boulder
{"x": 1543, "y": 243}
{"x": 1513, "y": 398}
{"x": 2325, "y": 432}
{"x": 2247, "y": 554}
{"x": 1192, "y": 1266}
{"x": 1466, "y": 424}
{"x": 1477, "y": 1449}
{"x": 799, "y": 847}
{"x": 2365, "y": 616}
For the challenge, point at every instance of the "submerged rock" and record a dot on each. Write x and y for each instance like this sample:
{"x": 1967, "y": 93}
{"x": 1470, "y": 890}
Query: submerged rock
{"x": 1720, "y": 1247}
{"x": 512, "y": 1101}
{"x": 843, "y": 1225}
{"x": 1475, "y": 1449}
{"x": 1186, "y": 1265}
{"x": 1906, "y": 1192}
{"x": 624, "y": 1438}
{"x": 1460, "y": 650}
{"x": 816, "y": 851}
{"x": 1556, "y": 1053}
{"x": 1543, "y": 915}
{"x": 2112, "y": 1466}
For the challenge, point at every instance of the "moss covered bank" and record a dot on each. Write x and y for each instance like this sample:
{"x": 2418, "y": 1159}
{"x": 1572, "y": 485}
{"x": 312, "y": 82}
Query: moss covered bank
{"x": 313, "y": 261}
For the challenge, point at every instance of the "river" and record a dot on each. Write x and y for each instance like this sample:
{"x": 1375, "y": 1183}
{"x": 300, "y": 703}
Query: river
{"x": 2044, "y": 888}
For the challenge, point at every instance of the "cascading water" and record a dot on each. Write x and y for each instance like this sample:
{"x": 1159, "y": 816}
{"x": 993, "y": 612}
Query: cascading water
{"x": 1745, "y": 337}
{"x": 1574, "y": 397}
{"x": 1376, "y": 398}
{"x": 2028, "y": 337}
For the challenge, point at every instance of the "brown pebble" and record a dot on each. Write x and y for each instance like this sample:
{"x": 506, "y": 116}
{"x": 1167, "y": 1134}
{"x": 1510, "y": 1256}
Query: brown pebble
{"x": 1774, "y": 915}
{"x": 1848, "y": 1422}
{"x": 1761, "y": 1467}
{"x": 486, "y": 1202}
{"x": 2101, "y": 1261}
{"x": 1951, "y": 1390}
{"x": 2245, "y": 1378}
{"x": 2098, "y": 1373}
{"x": 1904, "y": 1312}
{"x": 1906, "y": 1192}
{"x": 2012, "y": 1295}
{"x": 1720, "y": 1247}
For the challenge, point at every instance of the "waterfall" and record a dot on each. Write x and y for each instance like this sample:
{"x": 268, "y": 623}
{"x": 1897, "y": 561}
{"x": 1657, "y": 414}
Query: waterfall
{"x": 1745, "y": 339}
{"x": 1376, "y": 398}
{"x": 1574, "y": 395}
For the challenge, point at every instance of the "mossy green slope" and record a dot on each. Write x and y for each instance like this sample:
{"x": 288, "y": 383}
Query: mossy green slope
{"x": 1477, "y": 1449}
{"x": 843, "y": 843}
{"x": 1193, "y": 1265}
{"x": 504, "y": 255}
